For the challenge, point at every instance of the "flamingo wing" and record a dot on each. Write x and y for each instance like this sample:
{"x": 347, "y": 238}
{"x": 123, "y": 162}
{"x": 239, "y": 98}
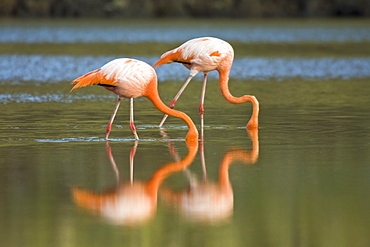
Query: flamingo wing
{"x": 170, "y": 57}
{"x": 204, "y": 52}
{"x": 130, "y": 74}
{"x": 95, "y": 77}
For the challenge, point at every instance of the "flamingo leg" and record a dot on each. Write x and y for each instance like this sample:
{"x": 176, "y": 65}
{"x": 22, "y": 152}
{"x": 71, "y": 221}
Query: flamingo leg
{"x": 201, "y": 105}
{"x": 171, "y": 146}
{"x": 109, "y": 125}
{"x": 203, "y": 160}
{"x": 132, "y": 156}
{"x": 172, "y": 104}
{"x": 112, "y": 161}
{"x": 132, "y": 125}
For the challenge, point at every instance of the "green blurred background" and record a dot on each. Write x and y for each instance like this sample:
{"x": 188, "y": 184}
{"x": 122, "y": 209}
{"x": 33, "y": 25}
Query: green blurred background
{"x": 184, "y": 8}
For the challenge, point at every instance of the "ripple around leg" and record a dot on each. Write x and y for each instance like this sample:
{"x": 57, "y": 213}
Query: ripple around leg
{"x": 96, "y": 139}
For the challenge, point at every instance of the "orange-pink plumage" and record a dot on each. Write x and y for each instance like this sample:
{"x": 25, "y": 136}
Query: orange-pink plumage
{"x": 131, "y": 78}
{"x": 204, "y": 55}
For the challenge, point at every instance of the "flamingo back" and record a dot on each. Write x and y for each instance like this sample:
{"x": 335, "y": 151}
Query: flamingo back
{"x": 125, "y": 77}
{"x": 200, "y": 54}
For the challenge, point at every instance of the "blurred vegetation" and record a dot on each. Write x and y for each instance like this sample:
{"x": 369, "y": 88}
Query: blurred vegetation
{"x": 184, "y": 8}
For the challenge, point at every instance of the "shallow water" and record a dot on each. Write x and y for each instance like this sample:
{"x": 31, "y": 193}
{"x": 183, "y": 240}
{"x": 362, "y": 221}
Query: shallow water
{"x": 301, "y": 179}
{"x": 18, "y": 69}
{"x": 177, "y": 31}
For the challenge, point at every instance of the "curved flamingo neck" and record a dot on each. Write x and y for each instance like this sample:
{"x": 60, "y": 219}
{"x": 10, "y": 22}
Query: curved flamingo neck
{"x": 152, "y": 94}
{"x": 223, "y": 178}
{"x": 224, "y": 87}
{"x": 247, "y": 157}
{"x": 165, "y": 171}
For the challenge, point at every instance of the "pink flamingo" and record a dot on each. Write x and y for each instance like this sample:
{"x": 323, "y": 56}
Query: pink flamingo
{"x": 204, "y": 55}
{"x": 130, "y": 78}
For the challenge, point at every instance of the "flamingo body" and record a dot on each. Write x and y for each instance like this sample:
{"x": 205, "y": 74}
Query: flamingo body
{"x": 204, "y": 55}
{"x": 200, "y": 55}
{"x": 130, "y": 78}
{"x": 127, "y": 204}
{"x": 125, "y": 77}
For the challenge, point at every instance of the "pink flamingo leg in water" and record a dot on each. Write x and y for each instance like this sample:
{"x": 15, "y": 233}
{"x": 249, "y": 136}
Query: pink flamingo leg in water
{"x": 111, "y": 159}
{"x": 132, "y": 156}
{"x": 132, "y": 125}
{"x": 172, "y": 104}
{"x": 109, "y": 125}
{"x": 201, "y": 105}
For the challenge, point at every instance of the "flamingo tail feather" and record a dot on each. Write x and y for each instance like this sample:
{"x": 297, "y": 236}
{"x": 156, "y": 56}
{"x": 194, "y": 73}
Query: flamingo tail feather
{"x": 168, "y": 57}
{"x": 92, "y": 78}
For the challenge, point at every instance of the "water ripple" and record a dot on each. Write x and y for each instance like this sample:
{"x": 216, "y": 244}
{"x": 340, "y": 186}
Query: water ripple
{"x": 55, "y": 97}
{"x": 97, "y": 139}
{"x": 246, "y": 34}
{"x": 16, "y": 69}
{"x": 310, "y": 68}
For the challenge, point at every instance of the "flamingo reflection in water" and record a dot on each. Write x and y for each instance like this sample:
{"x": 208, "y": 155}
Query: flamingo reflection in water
{"x": 206, "y": 201}
{"x": 133, "y": 202}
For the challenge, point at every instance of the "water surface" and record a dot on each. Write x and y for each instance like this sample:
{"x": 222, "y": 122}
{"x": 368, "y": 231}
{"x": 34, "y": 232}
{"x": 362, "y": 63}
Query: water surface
{"x": 178, "y": 31}
{"x": 301, "y": 179}
{"x": 64, "y": 68}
